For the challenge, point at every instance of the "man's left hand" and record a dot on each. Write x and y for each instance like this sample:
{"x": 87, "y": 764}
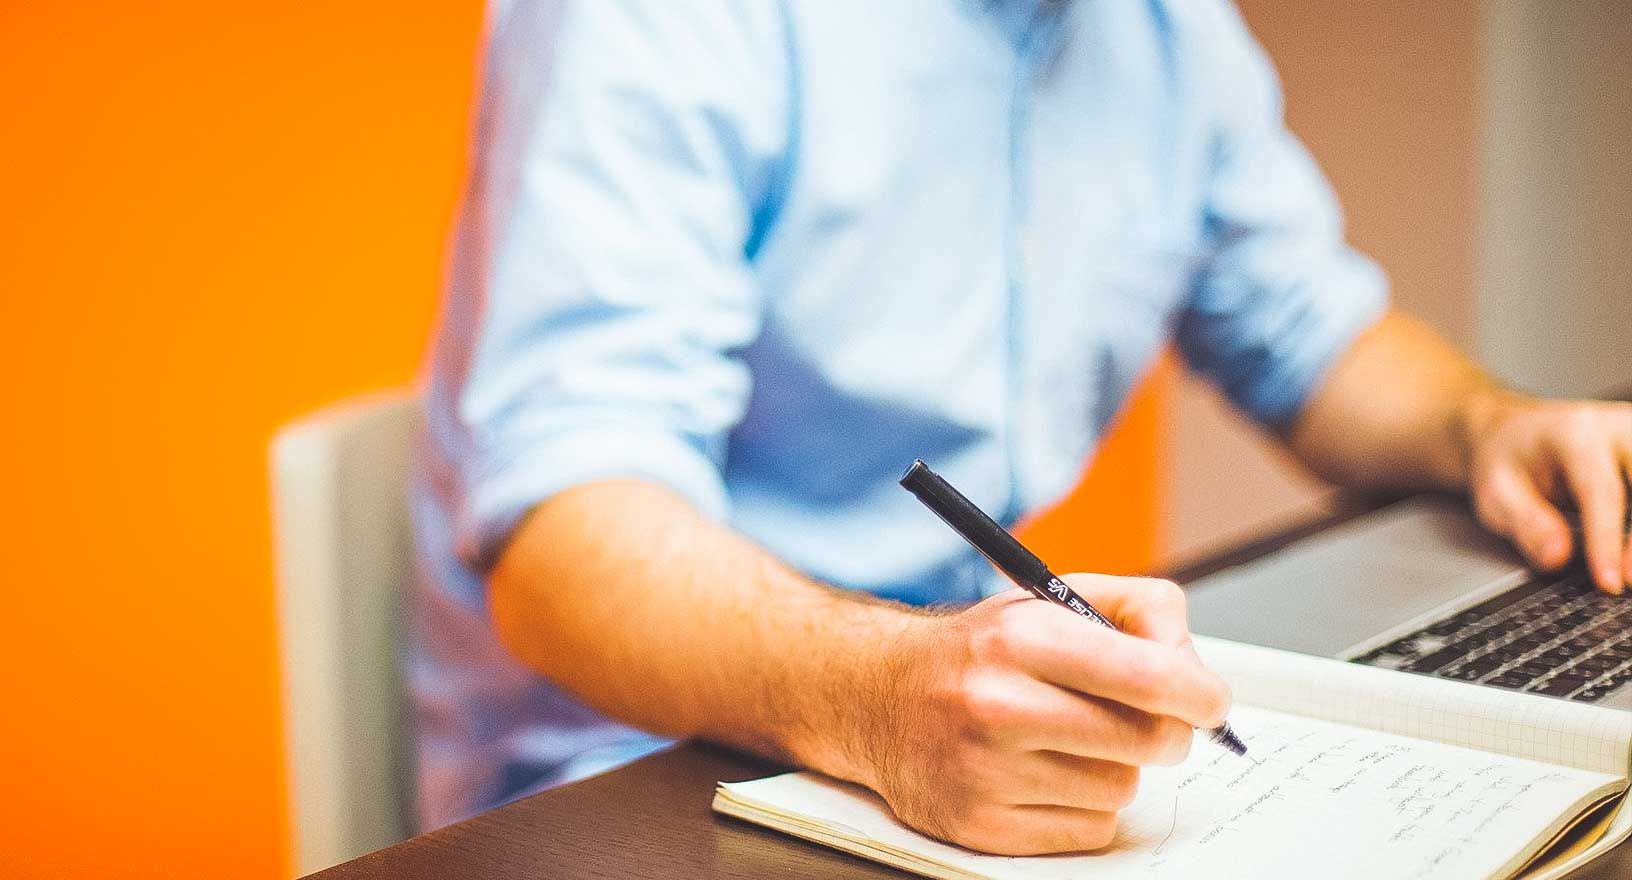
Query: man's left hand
{"x": 1527, "y": 457}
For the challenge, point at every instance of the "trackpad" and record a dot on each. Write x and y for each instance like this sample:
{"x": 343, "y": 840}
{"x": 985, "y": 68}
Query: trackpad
{"x": 1350, "y": 583}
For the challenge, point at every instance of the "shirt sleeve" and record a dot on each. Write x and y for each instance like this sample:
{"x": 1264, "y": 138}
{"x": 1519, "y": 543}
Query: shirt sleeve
{"x": 1282, "y": 295}
{"x": 618, "y": 199}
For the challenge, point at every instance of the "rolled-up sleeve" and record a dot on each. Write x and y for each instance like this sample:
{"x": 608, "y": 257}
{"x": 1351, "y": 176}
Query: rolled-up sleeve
{"x": 614, "y": 288}
{"x": 1282, "y": 296}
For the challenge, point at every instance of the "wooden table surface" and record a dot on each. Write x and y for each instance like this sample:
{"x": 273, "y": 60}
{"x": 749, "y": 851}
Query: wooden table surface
{"x": 651, "y": 818}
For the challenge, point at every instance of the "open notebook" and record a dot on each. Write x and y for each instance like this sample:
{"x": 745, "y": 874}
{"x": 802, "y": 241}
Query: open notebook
{"x": 1353, "y": 771}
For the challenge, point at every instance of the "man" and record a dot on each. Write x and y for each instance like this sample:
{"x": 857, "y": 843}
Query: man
{"x": 727, "y": 268}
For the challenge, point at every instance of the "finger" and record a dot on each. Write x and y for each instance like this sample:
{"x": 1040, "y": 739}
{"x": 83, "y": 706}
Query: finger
{"x": 1064, "y": 780}
{"x": 1509, "y": 504}
{"x": 1626, "y": 557}
{"x": 1626, "y": 553}
{"x": 1035, "y": 829}
{"x": 1626, "y": 477}
{"x": 1146, "y": 607}
{"x": 1032, "y": 715}
{"x": 1594, "y": 478}
{"x": 1118, "y": 733}
{"x": 1078, "y": 655}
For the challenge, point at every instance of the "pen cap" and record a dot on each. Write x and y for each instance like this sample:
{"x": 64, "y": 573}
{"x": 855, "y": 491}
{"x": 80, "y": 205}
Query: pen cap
{"x": 980, "y": 530}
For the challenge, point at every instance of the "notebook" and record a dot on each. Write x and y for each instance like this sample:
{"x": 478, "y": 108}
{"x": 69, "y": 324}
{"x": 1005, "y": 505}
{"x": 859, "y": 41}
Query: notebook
{"x": 1354, "y": 771}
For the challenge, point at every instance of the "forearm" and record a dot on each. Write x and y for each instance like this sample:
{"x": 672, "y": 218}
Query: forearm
{"x": 648, "y": 611}
{"x": 1009, "y": 726}
{"x": 1397, "y": 411}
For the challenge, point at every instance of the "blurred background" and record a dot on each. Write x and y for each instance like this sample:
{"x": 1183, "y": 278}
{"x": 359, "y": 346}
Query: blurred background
{"x": 220, "y": 218}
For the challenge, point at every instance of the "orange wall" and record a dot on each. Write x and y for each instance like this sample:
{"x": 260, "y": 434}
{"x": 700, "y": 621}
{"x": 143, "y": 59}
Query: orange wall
{"x": 1111, "y": 521}
{"x": 212, "y": 219}
{"x": 215, "y": 220}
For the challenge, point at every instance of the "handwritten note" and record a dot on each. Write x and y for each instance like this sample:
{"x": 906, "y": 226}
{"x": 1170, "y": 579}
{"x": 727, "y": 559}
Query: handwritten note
{"x": 1405, "y": 808}
{"x": 1318, "y": 797}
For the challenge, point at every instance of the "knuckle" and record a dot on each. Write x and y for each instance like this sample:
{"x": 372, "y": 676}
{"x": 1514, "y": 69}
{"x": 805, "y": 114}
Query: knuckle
{"x": 1012, "y": 632}
{"x": 1088, "y": 583}
{"x": 986, "y": 643}
{"x": 996, "y": 640}
{"x": 1169, "y": 592}
{"x": 1121, "y": 785}
{"x": 1149, "y": 677}
{"x": 1098, "y": 831}
{"x": 1146, "y": 741}
{"x": 983, "y": 706}
{"x": 1177, "y": 739}
{"x": 1578, "y": 430}
{"x": 1559, "y": 415}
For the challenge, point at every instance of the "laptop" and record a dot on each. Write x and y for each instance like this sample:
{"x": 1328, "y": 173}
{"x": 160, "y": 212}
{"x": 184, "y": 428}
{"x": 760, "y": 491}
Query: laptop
{"x": 1418, "y": 586}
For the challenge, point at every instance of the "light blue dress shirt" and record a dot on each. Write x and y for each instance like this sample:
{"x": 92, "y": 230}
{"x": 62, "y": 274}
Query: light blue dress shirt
{"x": 767, "y": 252}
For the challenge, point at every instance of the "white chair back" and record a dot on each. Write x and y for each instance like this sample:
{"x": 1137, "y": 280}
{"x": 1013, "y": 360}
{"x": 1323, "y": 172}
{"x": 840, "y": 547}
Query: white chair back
{"x": 344, "y": 553}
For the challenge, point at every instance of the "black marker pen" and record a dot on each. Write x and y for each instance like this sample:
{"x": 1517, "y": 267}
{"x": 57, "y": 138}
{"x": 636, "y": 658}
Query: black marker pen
{"x": 1008, "y": 554}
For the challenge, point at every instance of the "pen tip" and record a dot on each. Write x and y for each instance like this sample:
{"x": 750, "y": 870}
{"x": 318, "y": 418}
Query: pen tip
{"x": 1226, "y": 737}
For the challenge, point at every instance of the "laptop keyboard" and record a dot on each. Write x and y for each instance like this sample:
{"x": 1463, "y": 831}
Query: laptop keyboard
{"x": 1556, "y": 635}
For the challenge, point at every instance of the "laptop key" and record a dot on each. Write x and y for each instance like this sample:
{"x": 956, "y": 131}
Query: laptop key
{"x": 1560, "y": 685}
{"x": 1599, "y": 662}
{"x": 1479, "y": 668}
{"x": 1468, "y": 672}
{"x": 1535, "y": 669}
{"x": 1439, "y": 659}
{"x": 1446, "y": 627}
{"x": 1508, "y": 653}
{"x": 1603, "y": 631}
{"x": 1404, "y": 647}
{"x": 1511, "y": 680}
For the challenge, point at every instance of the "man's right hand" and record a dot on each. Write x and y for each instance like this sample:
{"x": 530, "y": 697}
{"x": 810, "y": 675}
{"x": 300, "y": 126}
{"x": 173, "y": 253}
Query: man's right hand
{"x": 1012, "y": 726}
{"x": 1016, "y": 727}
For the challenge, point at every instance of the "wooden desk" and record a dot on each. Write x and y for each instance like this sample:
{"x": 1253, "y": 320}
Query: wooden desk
{"x": 651, "y": 819}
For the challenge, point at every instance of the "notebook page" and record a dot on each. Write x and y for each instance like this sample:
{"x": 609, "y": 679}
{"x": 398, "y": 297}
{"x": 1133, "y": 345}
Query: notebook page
{"x": 1347, "y": 801}
{"x": 1418, "y": 706}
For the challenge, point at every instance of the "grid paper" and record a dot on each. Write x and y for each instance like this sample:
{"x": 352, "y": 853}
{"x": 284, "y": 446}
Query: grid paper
{"x": 1520, "y": 725}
